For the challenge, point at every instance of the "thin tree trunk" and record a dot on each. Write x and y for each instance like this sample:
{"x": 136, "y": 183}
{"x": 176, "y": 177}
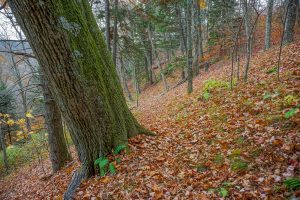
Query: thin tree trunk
{"x": 115, "y": 32}
{"x": 22, "y": 93}
{"x": 269, "y": 24}
{"x": 107, "y": 24}
{"x": 123, "y": 79}
{"x": 196, "y": 9}
{"x": 248, "y": 36}
{"x": 158, "y": 60}
{"x": 3, "y": 146}
{"x": 189, "y": 46}
{"x": 59, "y": 154}
{"x": 182, "y": 38}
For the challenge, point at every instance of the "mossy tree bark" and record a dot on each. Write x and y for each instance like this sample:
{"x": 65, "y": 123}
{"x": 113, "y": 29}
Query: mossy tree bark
{"x": 82, "y": 78}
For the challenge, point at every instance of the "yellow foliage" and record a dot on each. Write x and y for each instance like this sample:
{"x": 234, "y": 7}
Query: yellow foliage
{"x": 202, "y": 4}
{"x": 10, "y": 122}
{"x": 21, "y": 122}
{"x": 6, "y": 115}
{"x": 29, "y": 115}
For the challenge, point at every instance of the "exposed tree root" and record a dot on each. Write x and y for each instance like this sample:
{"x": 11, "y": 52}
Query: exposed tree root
{"x": 78, "y": 176}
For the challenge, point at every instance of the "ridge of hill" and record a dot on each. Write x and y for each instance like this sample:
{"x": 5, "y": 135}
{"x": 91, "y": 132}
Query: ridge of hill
{"x": 241, "y": 143}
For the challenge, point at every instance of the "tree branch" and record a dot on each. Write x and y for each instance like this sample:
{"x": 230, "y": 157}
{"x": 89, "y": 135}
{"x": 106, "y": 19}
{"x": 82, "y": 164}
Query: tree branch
{"x": 18, "y": 53}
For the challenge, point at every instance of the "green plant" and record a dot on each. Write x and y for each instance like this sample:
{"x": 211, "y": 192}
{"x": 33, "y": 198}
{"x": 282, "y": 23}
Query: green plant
{"x": 271, "y": 70}
{"x": 236, "y": 153}
{"x": 25, "y": 151}
{"x": 201, "y": 168}
{"x": 223, "y": 192}
{"x": 206, "y": 95}
{"x": 267, "y": 96}
{"x": 219, "y": 159}
{"x": 239, "y": 165}
{"x": 120, "y": 148}
{"x": 291, "y": 112}
{"x": 102, "y": 162}
{"x": 105, "y": 165}
{"x": 292, "y": 183}
{"x": 214, "y": 84}
{"x": 290, "y": 99}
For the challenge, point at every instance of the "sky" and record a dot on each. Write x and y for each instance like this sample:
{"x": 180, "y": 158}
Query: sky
{"x": 6, "y": 30}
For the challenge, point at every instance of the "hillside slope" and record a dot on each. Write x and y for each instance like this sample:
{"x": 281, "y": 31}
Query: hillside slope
{"x": 238, "y": 144}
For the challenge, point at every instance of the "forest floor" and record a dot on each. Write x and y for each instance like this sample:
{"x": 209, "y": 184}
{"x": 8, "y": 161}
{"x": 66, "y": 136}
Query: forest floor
{"x": 236, "y": 144}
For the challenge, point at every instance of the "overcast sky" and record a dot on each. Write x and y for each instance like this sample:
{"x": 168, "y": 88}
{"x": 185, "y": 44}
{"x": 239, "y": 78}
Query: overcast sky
{"x": 6, "y": 30}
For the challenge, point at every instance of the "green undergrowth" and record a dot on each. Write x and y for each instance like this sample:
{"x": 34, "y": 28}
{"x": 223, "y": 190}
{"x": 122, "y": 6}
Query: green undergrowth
{"x": 25, "y": 152}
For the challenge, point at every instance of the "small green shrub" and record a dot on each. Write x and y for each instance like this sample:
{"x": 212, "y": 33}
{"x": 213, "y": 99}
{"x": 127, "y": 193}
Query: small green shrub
{"x": 24, "y": 152}
{"x": 290, "y": 99}
{"x": 105, "y": 165}
{"x": 223, "y": 192}
{"x": 210, "y": 85}
{"x": 201, "y": 168}
{"x": 291, "y": 112}
{"x": 236, "y": 153}
{"x": 219, "y": 159}
{"x": 271, "y": 70}
{"x": 292, "y": 183}
{"x": 206, "y": 95}
{"x": 239, "y": 165}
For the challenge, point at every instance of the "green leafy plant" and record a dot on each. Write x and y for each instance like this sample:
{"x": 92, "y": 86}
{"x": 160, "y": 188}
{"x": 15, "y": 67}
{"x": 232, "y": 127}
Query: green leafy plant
{"x": 239, "y": 165}
{"x": 291, "y": 113}
{"x": 292, "y": 183}
{"x": 214, "y": 84}
{"x": 119, "y": 149}
{"x": 112, "y": 168}
{"x": 206, "y": 95}
{"x": 201, "y": 168}
{"x": 102, "y": 162}
{"x": 223, "y": 192}
{"x": 290, "y": 99}
{"x": 267, "y": 96}
{"x": 219, "y": 159}
{"x": 105, "y": 165}
{"x": 271, "y": 70}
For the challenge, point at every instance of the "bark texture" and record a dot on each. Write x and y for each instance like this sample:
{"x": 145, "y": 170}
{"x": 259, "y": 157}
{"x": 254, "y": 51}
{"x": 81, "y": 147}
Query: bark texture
{"x": 82, "y": 78}
{"x": 189, "y": 46}
{"x": 269, "y": 24}
{"x": 290, "y": 21}
{"x": 107, "y": 23}
{"x": 59, "y": 154}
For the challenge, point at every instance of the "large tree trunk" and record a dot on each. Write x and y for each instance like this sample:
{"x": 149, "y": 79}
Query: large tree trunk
{"x": 290, "y": 21}
{"x": 269, "y": 24}
{"x": 59, "y": 154}
{"x": 82, "y": 78}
